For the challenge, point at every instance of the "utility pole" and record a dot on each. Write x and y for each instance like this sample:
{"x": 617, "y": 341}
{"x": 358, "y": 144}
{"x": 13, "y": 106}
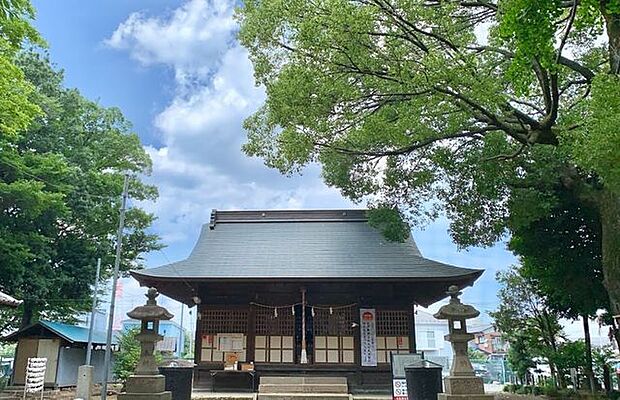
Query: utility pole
{"x": 92, "y": 314}
{"x": 117, "y": 262}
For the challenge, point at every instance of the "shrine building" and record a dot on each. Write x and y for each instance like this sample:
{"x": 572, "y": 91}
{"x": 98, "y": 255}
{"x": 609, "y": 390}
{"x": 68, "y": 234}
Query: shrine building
{"x": 313, "y": 292}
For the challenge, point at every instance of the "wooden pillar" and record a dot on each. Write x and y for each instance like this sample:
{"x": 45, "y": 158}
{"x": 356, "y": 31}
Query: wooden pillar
{"x": 357, "y": 344}
{"x": 198, "y": 335}
{"x": 412, "y": 337}
{"x": 251, "y": 335}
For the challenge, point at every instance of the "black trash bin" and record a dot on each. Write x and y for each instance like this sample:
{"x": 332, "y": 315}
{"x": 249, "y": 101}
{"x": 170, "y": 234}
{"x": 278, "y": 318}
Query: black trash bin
{"x": 423, "y": 380}
{"x": 179, "y": 379}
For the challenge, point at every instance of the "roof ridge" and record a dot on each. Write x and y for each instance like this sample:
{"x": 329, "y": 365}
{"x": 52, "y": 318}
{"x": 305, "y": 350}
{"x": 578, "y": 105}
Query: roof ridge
{"x": 258, "y": 216}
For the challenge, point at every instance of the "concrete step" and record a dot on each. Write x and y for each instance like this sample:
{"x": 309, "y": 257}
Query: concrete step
{"x": 300, "y": 380}
{"x": 303, "y": 388}
{"x": 303, "y": 396}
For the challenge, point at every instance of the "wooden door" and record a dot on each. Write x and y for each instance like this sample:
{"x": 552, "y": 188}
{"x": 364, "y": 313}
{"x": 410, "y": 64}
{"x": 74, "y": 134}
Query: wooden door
{"x": 48, "y": 348}
{"x": 26, "y": 348}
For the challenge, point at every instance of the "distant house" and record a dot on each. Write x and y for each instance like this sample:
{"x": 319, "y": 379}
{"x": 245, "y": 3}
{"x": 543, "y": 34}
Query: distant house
{"x": 63, "y": 345}
{"x": 430, "y": 332}
{"x": 489, "y": 341}
{"x": 174, "y": 339}
{"x": 6, "y": 300}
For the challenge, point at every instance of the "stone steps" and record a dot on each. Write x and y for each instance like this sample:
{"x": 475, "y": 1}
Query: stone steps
{"x": 303, "y": 388}
{"x": 301, "y": 380}
{"x": 303, "y": 396}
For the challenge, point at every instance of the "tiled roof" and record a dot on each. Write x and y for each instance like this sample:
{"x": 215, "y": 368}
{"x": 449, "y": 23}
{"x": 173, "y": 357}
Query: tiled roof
{"x": 7, "y": 300}
{"x": 307, "y": 244}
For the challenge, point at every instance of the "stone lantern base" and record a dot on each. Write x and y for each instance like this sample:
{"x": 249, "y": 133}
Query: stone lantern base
{"x": 464, "y": 388}
{"x": 145, "y": 387}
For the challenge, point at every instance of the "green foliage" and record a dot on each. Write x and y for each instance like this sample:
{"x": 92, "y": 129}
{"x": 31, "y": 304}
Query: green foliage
{"x": 15, "y": 28}
{"x": 7, "y": 349}
{"x": 390, "y": 223}
{"x": 126, "y": 360}
{"x": 602, "y": 356}
{"x": 570, "y": 355}
{"x": 476, "y": 355}
{"x": 595, "y": 145}
{"x": 60, "y": 185}
{"x": 519, "y": 357}
{"x": 476, "y": 109}
{"x": 530, "y": 27}
{"x": 524, "y": 317}
{"x": 419, "y": 121}
{"x": 561, "y": 254}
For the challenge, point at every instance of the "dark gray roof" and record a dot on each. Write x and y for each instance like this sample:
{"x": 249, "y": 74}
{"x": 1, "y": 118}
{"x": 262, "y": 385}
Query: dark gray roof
{"x": 313, "y": 244}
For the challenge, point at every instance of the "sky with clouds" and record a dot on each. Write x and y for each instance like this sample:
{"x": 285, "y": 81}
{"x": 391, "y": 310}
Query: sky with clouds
{"x": 177, "y": 72}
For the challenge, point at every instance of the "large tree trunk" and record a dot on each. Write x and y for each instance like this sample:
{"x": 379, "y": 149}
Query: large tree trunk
{"x": 612, "y": 23}
{"x": 609, "y": 208}
{"x": 588, "y": 367}
{"x": 28, "y": 315}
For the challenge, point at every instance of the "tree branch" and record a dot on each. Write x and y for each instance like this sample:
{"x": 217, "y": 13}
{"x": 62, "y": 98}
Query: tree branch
{"x": 569, "y": 26}
{"x": 505, "y": 157}
{"x": 406, "y": 149}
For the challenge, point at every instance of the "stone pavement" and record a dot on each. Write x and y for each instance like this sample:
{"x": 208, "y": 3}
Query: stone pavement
{"x": 252, "y": 396}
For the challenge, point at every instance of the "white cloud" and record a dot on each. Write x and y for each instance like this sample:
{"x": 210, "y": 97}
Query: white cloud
{"x": 199, "y": 164}
{"x": 192, "y": 39}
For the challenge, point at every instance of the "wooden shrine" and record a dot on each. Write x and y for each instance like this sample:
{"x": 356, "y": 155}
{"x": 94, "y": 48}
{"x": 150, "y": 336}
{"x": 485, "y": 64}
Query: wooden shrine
{"x": 313, "y": 292}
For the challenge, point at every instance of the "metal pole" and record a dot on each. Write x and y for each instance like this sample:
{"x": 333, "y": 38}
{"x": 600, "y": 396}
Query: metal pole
{"x": 117, "y": 262}
{"x": 89, "y": 347}
{"x": 182, "y": 335}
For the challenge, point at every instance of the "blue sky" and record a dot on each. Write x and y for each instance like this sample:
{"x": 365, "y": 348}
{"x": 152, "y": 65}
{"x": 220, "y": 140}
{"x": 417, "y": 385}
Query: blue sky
{"x": 176, "y": 71}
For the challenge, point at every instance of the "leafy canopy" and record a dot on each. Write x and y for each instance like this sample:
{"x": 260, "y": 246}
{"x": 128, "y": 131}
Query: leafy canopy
{"x": 480, "y": 109}
{"x": 561, "y": 255}
{"x": 61, "y": 175}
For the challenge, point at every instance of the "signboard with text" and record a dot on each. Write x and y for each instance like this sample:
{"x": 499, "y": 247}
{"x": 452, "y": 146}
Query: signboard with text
{"x": 368, "y": 336}
{"x": 399, "y": 389}
{"x": 399, "y": 383}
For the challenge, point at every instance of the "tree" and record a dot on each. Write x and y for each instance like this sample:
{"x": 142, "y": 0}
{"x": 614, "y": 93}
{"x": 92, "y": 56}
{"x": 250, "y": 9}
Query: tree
{"x": 61, "y": 176}
{"x": 525, "y": 318}
{"x": 561, "y": 255}
{"x": 476, "y": 355}
{"x": 127, "y": 357}
{"x": 571, "y": 355}
{"x": 519, "y": 357}
{"x": 480, "y": 109}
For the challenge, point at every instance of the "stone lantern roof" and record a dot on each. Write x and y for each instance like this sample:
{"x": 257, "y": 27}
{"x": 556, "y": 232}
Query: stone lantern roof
{"x": 151, "y": 311}
{"x": 455, "y": 310}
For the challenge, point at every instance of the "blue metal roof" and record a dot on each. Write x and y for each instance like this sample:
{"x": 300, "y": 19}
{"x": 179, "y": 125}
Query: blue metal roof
{"x": 71, "y": 333}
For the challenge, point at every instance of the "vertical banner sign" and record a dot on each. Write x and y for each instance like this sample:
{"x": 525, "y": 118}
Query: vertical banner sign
{"x": 368, "y": 337}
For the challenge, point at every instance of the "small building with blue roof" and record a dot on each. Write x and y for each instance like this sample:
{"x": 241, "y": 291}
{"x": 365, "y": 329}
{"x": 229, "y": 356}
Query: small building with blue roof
{"x": 64, "y": 346}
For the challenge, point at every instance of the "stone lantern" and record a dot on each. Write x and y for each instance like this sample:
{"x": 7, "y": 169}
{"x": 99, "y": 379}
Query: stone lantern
{"x": 147, "y": 382}
{"x": 462, "y": 383}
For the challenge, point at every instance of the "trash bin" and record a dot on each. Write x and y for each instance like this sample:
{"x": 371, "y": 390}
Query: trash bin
{"x": 179, "y": 377}
{"x": 423, "y": 380}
